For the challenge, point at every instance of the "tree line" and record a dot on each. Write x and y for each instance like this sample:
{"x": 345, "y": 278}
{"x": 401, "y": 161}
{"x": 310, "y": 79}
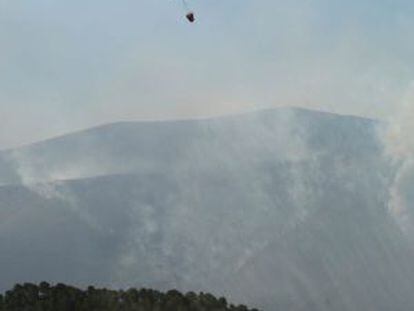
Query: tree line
{"x": 44, "y": 297}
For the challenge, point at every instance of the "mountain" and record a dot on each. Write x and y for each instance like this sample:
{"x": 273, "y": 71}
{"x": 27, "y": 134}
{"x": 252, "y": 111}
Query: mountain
{"x": 284, "y": 209}
{"x": 142, "y": 147}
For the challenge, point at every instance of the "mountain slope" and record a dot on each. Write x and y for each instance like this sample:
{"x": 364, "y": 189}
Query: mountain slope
{"x": 278, "y": 209}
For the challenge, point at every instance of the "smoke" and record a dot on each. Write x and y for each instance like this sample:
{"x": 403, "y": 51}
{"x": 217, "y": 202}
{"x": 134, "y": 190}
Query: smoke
{"x": 399, "y": 147}
{"x": 49, "y": 184}
{"x": 241, "y": 55}
{"x": 269, "y": 204}
{"x": 240, "y": 159}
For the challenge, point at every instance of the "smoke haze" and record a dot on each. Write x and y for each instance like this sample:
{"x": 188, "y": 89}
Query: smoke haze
{"x": 67, "y": 66}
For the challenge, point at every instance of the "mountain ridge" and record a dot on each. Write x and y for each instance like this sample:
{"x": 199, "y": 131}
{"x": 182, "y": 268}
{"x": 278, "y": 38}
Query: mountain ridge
{"x": 124, "y": 142}
{"x": 121, "y": 123}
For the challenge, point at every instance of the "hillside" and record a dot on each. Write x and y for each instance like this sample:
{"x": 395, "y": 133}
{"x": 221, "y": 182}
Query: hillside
{"x": 279, "y": 209}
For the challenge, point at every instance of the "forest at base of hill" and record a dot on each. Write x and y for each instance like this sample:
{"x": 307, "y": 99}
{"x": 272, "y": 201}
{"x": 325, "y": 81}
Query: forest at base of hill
{"x": 60, "y": 297}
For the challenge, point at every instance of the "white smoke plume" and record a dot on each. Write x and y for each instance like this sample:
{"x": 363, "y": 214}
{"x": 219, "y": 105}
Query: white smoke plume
{"x": 399, "y": 144}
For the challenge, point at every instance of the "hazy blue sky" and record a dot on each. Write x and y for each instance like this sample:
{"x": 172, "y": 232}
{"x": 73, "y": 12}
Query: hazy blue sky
{"x": 72, "y": 64}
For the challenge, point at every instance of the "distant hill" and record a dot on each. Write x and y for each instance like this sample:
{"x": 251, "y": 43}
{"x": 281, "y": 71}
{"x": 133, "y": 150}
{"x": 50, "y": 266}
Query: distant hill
{"x": 280, "y": 209}
{"x": 43, "y": 297}
{"x": 148, "y": 147}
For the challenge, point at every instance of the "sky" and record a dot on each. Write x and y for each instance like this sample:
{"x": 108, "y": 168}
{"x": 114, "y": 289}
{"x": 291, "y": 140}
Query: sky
{"x": 69, "y": 65}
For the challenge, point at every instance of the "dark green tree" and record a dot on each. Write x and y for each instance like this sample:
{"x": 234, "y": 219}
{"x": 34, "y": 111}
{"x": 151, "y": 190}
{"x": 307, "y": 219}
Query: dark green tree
{"x": 44, "y": 297}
